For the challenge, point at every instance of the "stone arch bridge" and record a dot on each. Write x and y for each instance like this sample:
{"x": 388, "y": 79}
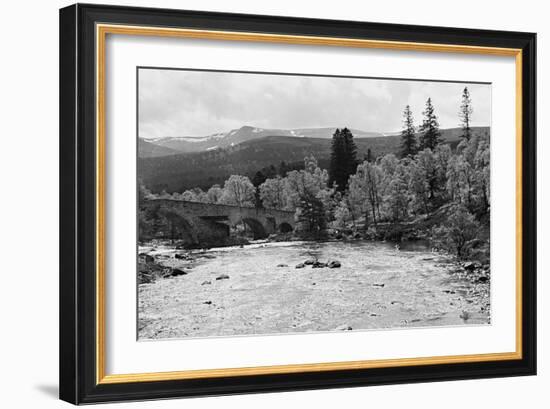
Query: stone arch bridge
{"x": 208, "y": 224}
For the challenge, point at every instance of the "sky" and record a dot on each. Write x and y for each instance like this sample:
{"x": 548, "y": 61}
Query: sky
{"x": 200, "y": 103}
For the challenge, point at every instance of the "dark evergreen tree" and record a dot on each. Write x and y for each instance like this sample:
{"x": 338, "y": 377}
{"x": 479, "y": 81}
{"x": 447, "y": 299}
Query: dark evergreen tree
{"x": 408, "y": 137}
{"x": 430, "y": 136}
{"x": 283, "y": 169}
{"x": 465, "y": 114}
{"x": 343, "y": 158}
{"x": 369, "y": 157}
{"x": 350, "y": 153}
{"x": 312, "y": 217}
{"x": 257, "y": 180}
{"x": 271, "y": 172}
{"x": 335, "y": 173}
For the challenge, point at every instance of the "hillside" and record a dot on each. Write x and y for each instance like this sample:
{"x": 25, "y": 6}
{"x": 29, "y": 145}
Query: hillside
{"x": 203, "y": 169}
{"x": 183, "y": 144}
{"x": 150, "y": 150}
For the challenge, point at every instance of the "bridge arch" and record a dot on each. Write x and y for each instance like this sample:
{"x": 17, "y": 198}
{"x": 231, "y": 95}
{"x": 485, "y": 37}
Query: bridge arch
{"x": 179, "y": 228}
{"x": 257, "y": 228}
{"x": 285, "y": 227}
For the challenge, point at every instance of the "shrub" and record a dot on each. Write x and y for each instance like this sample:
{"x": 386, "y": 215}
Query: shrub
{"x": 458, "y": 233}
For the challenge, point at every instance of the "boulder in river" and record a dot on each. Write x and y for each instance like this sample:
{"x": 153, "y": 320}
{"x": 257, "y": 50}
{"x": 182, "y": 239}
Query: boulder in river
{"x": 465, "y": 315}
{"x": 301, "y": 265}
{"x": 334, "y": 264}
{"x": 146, "y": 258}
{"x": 471, "y": 265}
{"x": 174, "y": 272}
{"x": 318, "y": 264}
{"x": 222, "y": 277}
{"x": 207, "y": 282}
{"x": 310, "y": 262}
{"x": 378, "y": 285}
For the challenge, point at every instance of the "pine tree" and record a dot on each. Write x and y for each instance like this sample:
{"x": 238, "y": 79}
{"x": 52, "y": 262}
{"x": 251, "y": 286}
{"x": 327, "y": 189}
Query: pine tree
{"x": 343, "y": 158}
{"x": 465, "y": 114}
{"x": 283, "y": 168}
{"x": 350, "y": 154}
{"x": 312, "y": 217}
{"x": 430, "y": 137}
{"x": 257, "y": 180}
{"x": 336, "y": 158}
{"x": 408, "y": 138}
{"x": 369, "y": 157}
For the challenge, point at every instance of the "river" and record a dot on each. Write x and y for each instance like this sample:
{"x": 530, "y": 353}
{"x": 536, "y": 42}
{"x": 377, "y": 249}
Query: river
{"x": 377, "y": 286}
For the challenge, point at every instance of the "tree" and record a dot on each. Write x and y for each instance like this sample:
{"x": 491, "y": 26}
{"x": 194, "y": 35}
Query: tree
{"x": 458, "y": 231}
{"x": 342, "y": 214}
{"x": 468, "y": 174}
{"x": 482, "y": 174}
{"x": 408, "y": 137}
{"x": 365, "y": 191}
{"x": 257, "y": 180}
{"x": 283, "y": 168}
{"x": 396, "y": 198}
{"x": 369, "y": 157}
{"x": 465, "y": 114}
{"x": 238, "y": 191}
{"x": 343, "y": 158}
{"x": 311, "y": 216}
{"x": 430, "y": 136}
{"x": 419, "y": 188}
{"x": 272, "y": 193}
{"x": 310, "y": 181}
{"x": 144, "y": 193}
{"x": 188, "y": 196}
{"x": 214, "y": 194}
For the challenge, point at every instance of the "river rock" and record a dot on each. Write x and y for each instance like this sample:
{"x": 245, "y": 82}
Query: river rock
{"x": 318, "y": 264}
{"x": 465, "y": 315}
{"x": 207, "y": 282}
{"x": 310, "y": 262}
{"x": 181, "y": 256}
{"x": 146, "y": 258}
{"x": 177, "y": 272}
{"x": 334, "y": 264}
{"x": 301, "y": 265}
{"x": 378, "y": 285}
{"x": 471, "y": 266}
{"x": 207, "y": 302}
{"x": 222, "y": 277}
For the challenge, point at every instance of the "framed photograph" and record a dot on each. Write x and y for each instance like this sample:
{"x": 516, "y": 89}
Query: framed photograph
{"x": 258, "y": 204}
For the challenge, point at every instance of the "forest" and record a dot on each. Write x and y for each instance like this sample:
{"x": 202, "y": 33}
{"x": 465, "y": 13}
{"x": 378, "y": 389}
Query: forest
{"x": 427, "y": 190}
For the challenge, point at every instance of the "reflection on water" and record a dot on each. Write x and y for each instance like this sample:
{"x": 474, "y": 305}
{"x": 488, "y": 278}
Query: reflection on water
{"x": 379, "y": 285}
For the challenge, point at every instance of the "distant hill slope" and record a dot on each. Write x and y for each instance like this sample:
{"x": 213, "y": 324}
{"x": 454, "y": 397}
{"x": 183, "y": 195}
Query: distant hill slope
{"x": 203, "y": 169}
{"x": 246, "y": 133}
{"x": 151, "y": 150}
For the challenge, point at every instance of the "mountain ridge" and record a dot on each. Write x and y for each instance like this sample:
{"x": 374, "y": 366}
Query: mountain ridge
{"x": 189, "y": 144}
